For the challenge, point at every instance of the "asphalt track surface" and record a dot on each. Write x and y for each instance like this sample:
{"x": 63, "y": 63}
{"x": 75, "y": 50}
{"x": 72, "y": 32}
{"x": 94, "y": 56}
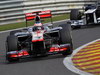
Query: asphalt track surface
{"x": 51, "y": 65}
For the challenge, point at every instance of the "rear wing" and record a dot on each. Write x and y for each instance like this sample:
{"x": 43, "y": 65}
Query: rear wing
{"x": 42, "y": 14}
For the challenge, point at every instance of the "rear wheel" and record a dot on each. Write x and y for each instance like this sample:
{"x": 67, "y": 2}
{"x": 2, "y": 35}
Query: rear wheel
{"x": 66, "y": 38}
{"x": 11, "y": 45}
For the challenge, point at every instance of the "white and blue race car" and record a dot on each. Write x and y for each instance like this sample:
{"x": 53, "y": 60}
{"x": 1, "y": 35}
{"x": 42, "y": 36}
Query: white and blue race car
{"x": 90, "y": 15}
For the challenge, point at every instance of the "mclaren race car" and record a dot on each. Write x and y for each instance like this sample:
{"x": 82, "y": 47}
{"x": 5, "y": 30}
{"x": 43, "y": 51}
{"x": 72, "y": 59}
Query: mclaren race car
{"x": 39, "y": 40}
{"x": 90, "y": 15}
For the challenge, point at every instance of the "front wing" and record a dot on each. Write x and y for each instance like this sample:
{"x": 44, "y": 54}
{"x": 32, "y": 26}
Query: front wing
{"x": 55, "y": 49}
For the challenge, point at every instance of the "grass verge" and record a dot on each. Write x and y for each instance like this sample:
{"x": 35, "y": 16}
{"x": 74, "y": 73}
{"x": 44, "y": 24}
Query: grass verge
{"x": 30, "y": 23}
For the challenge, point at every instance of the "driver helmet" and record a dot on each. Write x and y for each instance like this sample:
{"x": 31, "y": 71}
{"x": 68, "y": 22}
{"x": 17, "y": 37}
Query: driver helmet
{"x": 37, "y": 18}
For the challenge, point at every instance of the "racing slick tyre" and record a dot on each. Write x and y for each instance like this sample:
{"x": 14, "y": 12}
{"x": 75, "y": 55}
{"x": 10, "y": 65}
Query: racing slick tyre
{"x": 11, "y": 45}
{"x": 75, "y": 14}
{"x": 13, "y": 32}
{"x": 66, "y": 38}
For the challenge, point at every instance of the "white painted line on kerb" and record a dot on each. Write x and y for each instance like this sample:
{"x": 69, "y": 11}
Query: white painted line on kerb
{"x": 28, "y": 27}
{"x": 69, "y": 64}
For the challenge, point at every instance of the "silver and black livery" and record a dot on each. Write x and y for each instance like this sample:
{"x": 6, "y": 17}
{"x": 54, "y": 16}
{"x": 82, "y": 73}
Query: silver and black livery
{"x": 39, "y": 40}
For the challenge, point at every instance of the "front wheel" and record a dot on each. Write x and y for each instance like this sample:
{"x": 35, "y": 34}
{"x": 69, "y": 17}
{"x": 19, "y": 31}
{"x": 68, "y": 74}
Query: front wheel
{"x": 66, "y": 38}
{"x": 11, "y": 45}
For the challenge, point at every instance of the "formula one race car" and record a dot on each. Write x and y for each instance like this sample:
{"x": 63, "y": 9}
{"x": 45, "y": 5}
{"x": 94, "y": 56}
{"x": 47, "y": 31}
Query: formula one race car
{"x": 39, "y": 40}
{"x": 90, "y": 15}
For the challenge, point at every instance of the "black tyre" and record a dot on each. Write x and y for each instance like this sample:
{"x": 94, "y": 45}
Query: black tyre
{"x": 13, "y": 32}
{"x": 11, "y": 45}
{"x": 66, "y": 38}
{"x": 75, "y": 14}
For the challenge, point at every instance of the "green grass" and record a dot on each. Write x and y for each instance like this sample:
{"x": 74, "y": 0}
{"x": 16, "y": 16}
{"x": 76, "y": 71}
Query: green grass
{"x": 30, "y": 23}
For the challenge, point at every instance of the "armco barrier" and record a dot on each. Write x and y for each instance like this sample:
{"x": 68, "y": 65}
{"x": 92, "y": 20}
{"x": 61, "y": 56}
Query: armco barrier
{"x": 12, "y": 11}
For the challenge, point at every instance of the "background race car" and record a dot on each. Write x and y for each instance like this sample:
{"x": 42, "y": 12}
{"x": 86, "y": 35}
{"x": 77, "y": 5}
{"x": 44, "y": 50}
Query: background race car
{"x": 90, "y": 15}
{"x": 39, "y": 40}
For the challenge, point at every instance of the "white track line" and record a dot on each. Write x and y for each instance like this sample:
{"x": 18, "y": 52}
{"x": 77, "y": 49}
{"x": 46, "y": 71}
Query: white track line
{"x": 69, "y": 64}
